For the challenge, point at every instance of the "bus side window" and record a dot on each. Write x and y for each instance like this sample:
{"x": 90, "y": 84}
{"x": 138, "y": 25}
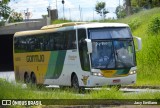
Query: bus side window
{"x": 40, "y": 43}
{"x": 17, "y": 44}
{"x": 73, "y": 40}
{"x": 52, "y": 42}
{"x": 59, "y": 41}
{"x": 32, "y": 43}
{"x": 84, "y": 57}
{"x": 70, "y": 39}
{"x": 37, "y": 48}
{"x": 57, "y": 46}
{"x": 27, "y": 44}
{"x": 46, "y": 42}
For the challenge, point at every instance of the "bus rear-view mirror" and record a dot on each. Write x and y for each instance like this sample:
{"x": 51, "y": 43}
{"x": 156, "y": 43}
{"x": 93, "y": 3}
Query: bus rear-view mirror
{"x": 139, "y": 43}
{"x": 89, "y": 45}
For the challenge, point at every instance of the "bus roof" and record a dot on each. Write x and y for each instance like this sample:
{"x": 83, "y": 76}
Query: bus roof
{"x": 62, "y": 25}
{"x": 101, "y": 25}
{"x": 84, "y": 25}
{"x": 32, "y": 32}
{"x": 56, "y": 27}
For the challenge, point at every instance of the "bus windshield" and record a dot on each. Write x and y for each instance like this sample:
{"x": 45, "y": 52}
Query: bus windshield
{"x": 112, "y": 53}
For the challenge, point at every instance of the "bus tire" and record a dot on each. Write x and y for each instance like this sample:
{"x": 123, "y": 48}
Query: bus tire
{"x": 75, "y": 84}
{"x": 33, "y": 79}
{"x": 26, "y": 78}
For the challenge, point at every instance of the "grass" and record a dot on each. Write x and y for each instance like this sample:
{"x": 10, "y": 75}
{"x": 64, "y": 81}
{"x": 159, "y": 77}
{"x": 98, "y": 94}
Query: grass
{"x": 60, "y": 21}
{"x": 12, "y": 91}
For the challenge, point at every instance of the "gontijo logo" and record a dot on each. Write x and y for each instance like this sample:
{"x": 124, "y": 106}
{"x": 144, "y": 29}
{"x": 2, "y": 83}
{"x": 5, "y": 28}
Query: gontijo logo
{"x": 35, "y": 58}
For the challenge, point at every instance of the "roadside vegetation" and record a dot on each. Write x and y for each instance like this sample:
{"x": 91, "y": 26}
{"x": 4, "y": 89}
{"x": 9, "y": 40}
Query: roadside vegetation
{"x": 60, "y": 21}
{"x": 146, "y": 24}
{"x": 17, "y": 91}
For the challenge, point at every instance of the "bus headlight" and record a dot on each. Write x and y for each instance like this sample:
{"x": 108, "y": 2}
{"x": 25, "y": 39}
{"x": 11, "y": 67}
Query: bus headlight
{"x": 132, "y": 72}
{"x": 97, "y": 74}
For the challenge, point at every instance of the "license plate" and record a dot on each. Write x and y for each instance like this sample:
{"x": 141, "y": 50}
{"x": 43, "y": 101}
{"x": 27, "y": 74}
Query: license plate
{"x": 116, "y": 81}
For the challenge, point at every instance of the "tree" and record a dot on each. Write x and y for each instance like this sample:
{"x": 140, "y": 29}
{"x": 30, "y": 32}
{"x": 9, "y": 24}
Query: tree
{"x": 120, "y": 12}
{"x": 6, "y": 12}
{"x": 4, "y": 9}
{"x": 147, "y": 4}
{"x": 100, "y": 9}
{"x": 134, "y": 6}
{"x": 16, "y": 17}
{"x": 4, "y": 1}
{"x": 128, "y": 7}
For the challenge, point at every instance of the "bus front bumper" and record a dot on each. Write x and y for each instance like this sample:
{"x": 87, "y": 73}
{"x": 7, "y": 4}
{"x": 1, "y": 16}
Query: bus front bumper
{"x": 95, "y": 81}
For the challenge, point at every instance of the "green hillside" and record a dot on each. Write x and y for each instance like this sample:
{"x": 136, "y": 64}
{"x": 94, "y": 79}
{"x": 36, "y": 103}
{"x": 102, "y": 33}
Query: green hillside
{"x": 146, "y": 25}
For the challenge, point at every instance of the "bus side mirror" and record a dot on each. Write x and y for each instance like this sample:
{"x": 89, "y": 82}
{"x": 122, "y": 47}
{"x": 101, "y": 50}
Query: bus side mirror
{"x": 139, "y": 43}
{"x": 89, "y": 45}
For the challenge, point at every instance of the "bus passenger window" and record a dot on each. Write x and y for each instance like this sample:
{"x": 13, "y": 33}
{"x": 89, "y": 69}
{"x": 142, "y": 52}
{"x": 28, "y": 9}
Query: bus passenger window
{"x": 52, "y": 43}
{"x": 70, "y": 39}
{"x": 84, "y": 57}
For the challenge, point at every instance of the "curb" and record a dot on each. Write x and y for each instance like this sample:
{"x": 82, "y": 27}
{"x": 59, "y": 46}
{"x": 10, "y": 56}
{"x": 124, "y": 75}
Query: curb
{"x": 141, "y": 87}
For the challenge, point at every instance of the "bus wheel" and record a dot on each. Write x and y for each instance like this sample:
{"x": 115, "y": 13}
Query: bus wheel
{"x": 26, "y": 78}
{"x": 33, "y": 79}
{"x": 75, "y": 85}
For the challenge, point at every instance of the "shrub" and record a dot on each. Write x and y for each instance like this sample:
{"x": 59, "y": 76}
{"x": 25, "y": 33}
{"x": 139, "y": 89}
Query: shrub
{"x": 59, "y": 21}
{"x": 134, "y": 24}
{"x": 154, "y": 25}
{"x": 2, "y": 23}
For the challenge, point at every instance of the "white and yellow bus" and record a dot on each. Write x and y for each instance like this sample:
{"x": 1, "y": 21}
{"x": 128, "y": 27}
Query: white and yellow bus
{"x": 80, "y": 55}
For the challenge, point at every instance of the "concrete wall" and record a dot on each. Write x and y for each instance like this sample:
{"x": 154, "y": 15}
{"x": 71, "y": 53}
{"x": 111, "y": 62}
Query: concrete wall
{"x": 6, "y": 40}
{"x": 22, "y": 26}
